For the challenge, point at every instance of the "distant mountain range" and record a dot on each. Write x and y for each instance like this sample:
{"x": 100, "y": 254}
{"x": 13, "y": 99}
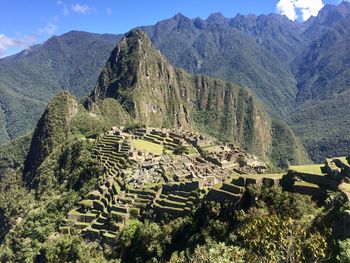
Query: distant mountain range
{"x": 300, "y": 72}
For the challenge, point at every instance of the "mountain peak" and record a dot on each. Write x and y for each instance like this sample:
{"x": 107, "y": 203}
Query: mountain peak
{"x": 142, "y": 81}
{"x": 136, "y": 33}
{"x": 123, "y": 66}
{"x": 179, "y": 16}
{"x": 218, "y": 18}
{"x": 52, "y": 129}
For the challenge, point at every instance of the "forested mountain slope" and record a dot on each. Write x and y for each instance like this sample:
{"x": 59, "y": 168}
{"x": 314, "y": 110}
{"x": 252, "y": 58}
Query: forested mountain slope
{"x": 294, "y": 69}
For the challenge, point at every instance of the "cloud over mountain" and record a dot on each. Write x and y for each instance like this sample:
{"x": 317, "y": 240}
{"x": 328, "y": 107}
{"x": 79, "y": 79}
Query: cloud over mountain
{"x": 293, "y": 9}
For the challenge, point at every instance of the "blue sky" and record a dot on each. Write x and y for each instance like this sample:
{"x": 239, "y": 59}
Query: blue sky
{"x": 24, "y": 23}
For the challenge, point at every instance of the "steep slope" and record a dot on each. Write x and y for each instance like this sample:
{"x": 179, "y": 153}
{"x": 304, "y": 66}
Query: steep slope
{"x": 216, "y": 48}
{"x": 230, "y": 49}
{"x": 323, "y": 68}
{"x": 253, "y": 51}
{"x": 323, "y": 126}
{"x": 31, "y": 78}
{"x": 276, "y": 33}
{"x": 156, "y": 94}
{"x": 320, "y": 118}
{"x": 327, "y": 17}
{"x": 52, "y": 129}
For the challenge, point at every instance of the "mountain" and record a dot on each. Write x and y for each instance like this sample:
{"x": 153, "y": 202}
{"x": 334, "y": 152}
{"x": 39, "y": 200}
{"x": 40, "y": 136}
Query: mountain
{"x": 52, "y": 129}
{"x": 293, "y": 68}
{"x": 31, "y": 78}
{"x": 138, "y": 86}
{"x": 216, "y": 48}
{"x": 322, "y": 72}
{"x": 158, "y": 95}
{"x": 73, "y": 61}
{"x": 327, "y": 17}
{"x": 279, "y": 35}
{"x": 89, "y": 193}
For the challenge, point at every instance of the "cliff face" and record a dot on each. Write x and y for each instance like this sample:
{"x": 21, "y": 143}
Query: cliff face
{"x": 156, "y": 94}
{"x": 52, "y": 129}
{"x": 141, "y": 80}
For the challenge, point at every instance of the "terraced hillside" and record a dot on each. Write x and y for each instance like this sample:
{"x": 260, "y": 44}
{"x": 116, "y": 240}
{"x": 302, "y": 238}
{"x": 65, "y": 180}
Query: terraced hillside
{"x": 315, "y": 180}
{"x": 166, "y": 171}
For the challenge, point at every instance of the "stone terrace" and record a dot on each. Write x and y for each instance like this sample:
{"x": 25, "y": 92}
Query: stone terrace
{"x": 142, "y": 173}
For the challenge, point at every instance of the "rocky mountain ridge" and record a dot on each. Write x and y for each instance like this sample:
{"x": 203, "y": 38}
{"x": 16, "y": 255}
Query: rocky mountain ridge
{"x": 158, "y": 95}
{"x": 261, "y": 53}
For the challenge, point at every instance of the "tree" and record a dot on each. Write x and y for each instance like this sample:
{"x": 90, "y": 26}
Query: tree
{"x": 344, "y": 251}
{"x": 180, "y": 149}
{"x": 71, "y": 249}
{"x": 278, "y": 239}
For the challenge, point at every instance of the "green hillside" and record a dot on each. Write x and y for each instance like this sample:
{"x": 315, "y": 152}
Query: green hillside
{"x": 320, "y": 118}
{"x": 288, "y": 66}
{"x": 158, "y": 95}
{"x": 31, "y": 78}
{"x": 215, "y": 47}
{"x": 177, "y": 144}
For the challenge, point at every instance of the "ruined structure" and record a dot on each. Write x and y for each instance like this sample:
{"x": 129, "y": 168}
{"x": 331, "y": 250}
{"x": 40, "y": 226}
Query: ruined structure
{"x": 166, "y": 171}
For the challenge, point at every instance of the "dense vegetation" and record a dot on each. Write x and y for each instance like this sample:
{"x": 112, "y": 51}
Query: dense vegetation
{"x": 31, "y": 78}
{"x": 34, "y": 216}
{"x": 13, "y": 154}
{"x": 323, "y": 80}
{"x": 272, "y": 226}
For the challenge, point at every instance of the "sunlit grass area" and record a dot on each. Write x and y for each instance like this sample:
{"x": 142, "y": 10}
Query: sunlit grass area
{"x": 308, "y": 169}
{"x": 146, "y": 146}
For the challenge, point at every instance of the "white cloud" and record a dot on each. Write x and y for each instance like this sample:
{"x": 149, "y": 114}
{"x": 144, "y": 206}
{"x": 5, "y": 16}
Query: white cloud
{"x": 82, "y": 9}
{"x": 109, "y": 11}
{"x": 307, "y": 8}
{"x": 25, "y": 41}
{"x": 49, "y": 29}
{"x": 8, "y": 42}
{"x": 286, "y": 7}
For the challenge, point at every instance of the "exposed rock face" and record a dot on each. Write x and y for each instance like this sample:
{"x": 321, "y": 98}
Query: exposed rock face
{"x": 139, "y": 77}
{"x": 156, "y": 94}
{"x": 52, "y": 129}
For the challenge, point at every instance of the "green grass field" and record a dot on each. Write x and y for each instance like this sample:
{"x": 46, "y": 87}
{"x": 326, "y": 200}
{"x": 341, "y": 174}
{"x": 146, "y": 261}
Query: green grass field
{"x": 308, "y": 169}
{"x": 146, "y": 146}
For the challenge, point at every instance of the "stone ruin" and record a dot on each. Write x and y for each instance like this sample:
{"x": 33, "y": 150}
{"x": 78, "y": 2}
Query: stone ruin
{"x": 135, "y": 181}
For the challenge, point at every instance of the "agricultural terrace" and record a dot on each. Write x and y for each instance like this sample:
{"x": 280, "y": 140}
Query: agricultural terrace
{"x": 159, "y": 170}
{"x": 169, "y": 171}
{"x": 308, "y": 169}
{"x": 146, "y": 146}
